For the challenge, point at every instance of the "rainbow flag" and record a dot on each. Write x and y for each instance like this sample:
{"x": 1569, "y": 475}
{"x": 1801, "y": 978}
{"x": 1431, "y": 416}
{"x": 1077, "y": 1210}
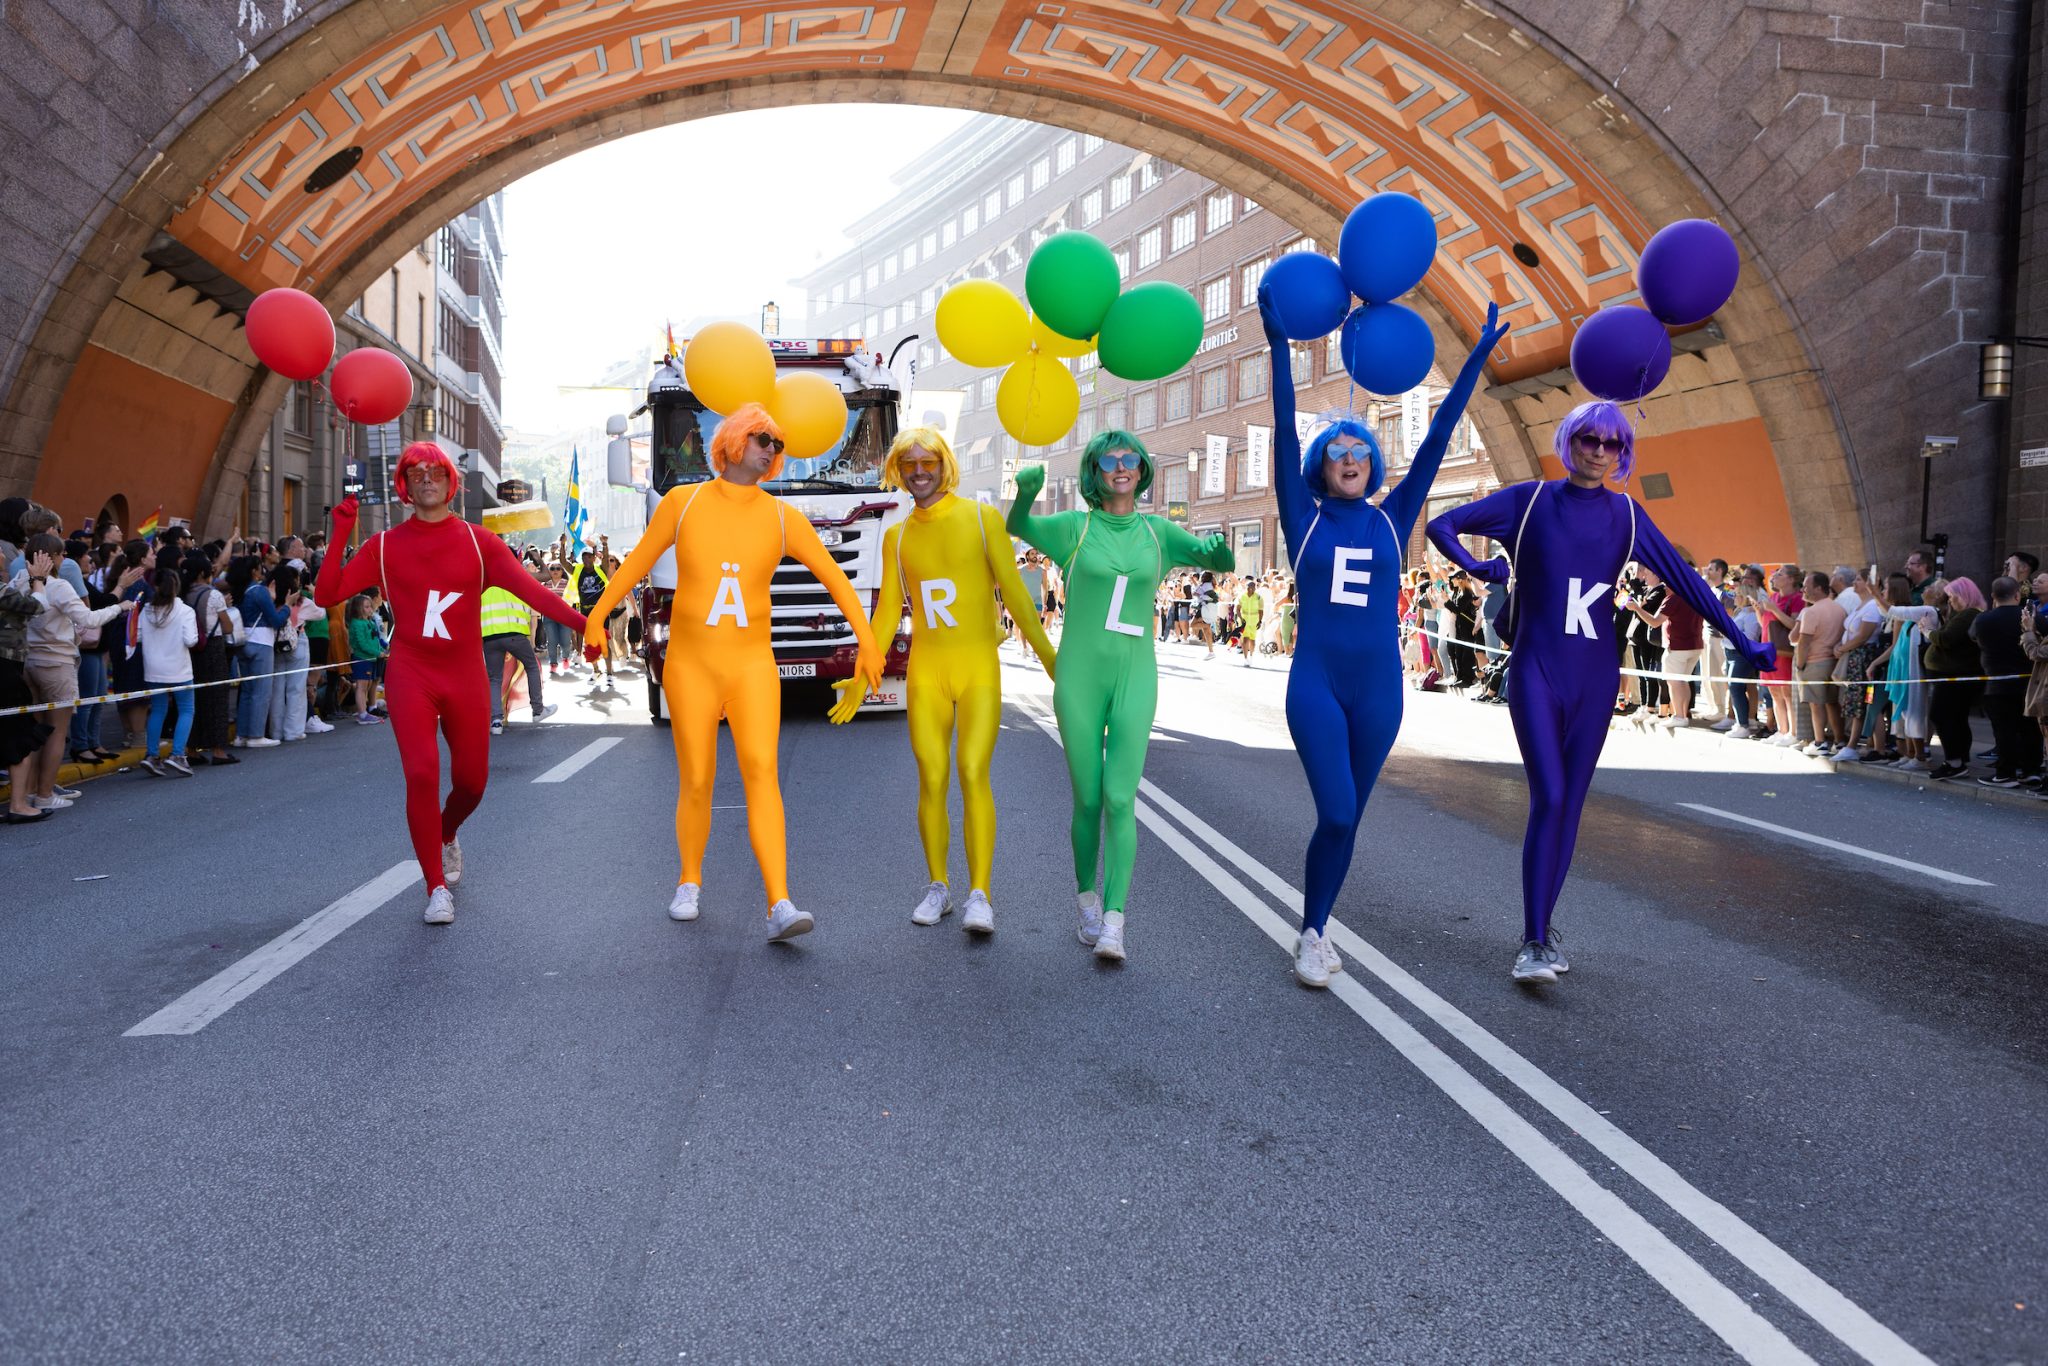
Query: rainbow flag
{"x": 670, "y": 330}
{"x": 152, "y": 523}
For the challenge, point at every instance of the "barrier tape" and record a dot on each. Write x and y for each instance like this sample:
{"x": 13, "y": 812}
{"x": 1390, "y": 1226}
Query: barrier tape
{"x": 104, "y": 698}
{"x": 1758, "y": 681}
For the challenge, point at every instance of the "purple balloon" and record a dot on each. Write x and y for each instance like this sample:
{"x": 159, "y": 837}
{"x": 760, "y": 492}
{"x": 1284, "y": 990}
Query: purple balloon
{"x": 1307, "y": 293}
{"x": 1688, "y": 271}
{"x": 1621, "y": 354}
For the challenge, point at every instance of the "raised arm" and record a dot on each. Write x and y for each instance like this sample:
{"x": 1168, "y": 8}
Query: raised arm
{"x": 1003, "y": 564}
{"x": 1182, "y": 546}
{"x": 503, "y": 569}
{"x": 1495, "y": 516}
{"x": 1056, "y": 534}
{"x": 338, "y": 582}
{"x": 1404, "y": 503}
{"x": 1681, "y": 578}
{"x": 1297, "y": 504}
{"x": 655, "y": 542}
{"x": 807, "y": 550}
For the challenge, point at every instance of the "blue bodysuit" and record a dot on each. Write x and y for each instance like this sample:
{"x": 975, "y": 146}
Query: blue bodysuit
{"x": 1568, "y": 545}
{"x": 1344, "y": 690}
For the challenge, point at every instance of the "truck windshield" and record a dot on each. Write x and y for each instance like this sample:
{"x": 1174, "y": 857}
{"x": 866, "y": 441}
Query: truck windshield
{"x": 682, "y": 443}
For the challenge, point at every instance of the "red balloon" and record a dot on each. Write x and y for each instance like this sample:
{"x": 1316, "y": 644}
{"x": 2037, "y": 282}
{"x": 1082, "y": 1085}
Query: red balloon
{"x": 290, "y": 331}
{"x": 371, "y": 386}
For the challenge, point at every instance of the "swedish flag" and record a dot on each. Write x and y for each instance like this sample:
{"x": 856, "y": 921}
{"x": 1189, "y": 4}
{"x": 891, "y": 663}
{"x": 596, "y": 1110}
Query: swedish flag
{"x": 575, "y": 516}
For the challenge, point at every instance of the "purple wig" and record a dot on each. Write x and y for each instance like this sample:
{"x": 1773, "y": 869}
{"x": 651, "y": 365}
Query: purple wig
{"x": 1597, "y": 419}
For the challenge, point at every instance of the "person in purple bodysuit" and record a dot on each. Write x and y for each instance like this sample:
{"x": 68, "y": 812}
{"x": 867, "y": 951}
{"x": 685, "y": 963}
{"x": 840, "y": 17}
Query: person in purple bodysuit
{"x": 1566, "y": 543}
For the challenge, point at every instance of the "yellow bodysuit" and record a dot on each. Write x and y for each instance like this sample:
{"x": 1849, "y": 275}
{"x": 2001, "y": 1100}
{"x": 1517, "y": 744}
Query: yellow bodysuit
{"x": 950, "y": 560}
{"x": 728, "y": 538}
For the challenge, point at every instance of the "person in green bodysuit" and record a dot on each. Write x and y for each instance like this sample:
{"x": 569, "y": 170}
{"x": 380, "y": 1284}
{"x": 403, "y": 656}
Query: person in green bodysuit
{"x": 1111, "y": 560}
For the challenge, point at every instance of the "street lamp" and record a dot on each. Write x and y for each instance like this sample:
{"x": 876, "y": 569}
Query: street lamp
{"x": 1995, "y": 364}
{"x": 771, "y": 320}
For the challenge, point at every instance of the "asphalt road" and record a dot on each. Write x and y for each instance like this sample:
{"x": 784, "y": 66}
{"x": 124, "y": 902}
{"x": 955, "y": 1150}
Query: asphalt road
{"x": 1788, "y": 1104}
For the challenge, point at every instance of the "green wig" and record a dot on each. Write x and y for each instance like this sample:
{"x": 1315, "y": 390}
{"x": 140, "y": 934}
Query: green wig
{"x": 1091, "y": 474}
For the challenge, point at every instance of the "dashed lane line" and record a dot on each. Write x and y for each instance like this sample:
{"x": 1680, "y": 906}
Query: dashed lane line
{"x": 1785, "y": 832}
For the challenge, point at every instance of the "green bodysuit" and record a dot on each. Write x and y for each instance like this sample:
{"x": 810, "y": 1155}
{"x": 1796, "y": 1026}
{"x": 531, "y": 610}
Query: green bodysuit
{"x": 1107, "y": 686}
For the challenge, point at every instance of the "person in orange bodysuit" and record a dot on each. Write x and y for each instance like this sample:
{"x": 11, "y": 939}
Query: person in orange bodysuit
{"x": 729, "y": 534}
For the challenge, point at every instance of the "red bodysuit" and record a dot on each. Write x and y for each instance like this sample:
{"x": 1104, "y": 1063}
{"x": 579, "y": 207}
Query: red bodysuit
{"x": 434, "y": 574}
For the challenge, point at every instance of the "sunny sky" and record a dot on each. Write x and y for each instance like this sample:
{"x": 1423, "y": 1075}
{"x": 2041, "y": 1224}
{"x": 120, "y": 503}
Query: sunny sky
{"x": 713, "y": 216}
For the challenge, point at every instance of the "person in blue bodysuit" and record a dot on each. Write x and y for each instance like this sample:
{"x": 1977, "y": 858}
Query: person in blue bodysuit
{"x": 1344, "y": 690}
{"x": 1566, "y": 542}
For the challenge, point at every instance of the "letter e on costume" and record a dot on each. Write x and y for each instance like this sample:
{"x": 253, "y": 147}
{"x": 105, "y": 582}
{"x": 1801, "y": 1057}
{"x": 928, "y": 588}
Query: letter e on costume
{"x": 1348, "y": 583}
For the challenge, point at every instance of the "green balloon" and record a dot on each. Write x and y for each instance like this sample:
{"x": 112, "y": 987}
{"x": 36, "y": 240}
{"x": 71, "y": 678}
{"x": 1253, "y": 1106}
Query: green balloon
{"x": 1071, "y": 283}
{"x": 1151, "y": 331}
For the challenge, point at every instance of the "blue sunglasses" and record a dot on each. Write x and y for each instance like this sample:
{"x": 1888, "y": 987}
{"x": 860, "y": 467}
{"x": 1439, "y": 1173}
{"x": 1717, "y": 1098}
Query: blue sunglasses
{"x": 1109, "y": 462}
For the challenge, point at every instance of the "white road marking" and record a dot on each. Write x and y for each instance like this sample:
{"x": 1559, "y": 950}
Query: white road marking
{"x": 219, "y": 993}
{"x": 1813, "y": 1296}
{"x": 574, "y": 764}
{"x": 1838, "y": 846}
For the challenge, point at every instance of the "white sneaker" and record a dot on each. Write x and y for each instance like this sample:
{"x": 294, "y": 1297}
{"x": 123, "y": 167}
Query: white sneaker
{"x": 545, "y": 712}
{"x": 1724, "y": 725}
{"x": 48, "y": 803}
{"x": 1736, "y": 732}
{"x": 1332, "y": 964}
{"x": 260, "y": 742}
{"x": 787, "y": 922}
{"x": 936, "y": 905}
{"x": 440, "y": 907}
{"x": 315, "y": 726}
{"x": 683, "y": 906}
{"x": 1110, "y": 944}
{"x": 451, "y": 862}
{"x": 1813, "y": 749}
{"x": 1091, "y": 919}
{"x": 497, "y": 725}
{"x": 1785, "y": 739}
{"x": 980, "y": 917}
{"x": 1308, "y": 960}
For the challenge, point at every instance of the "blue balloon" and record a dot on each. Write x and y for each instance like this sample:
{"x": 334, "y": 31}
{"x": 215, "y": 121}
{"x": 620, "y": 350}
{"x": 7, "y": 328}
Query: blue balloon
{"x": 1386, "y": 246}
{"x": 1621, "y": 354}
{"x": 1307, "y": 293}
{"x": 1688, "y": 271}
{"x": 1387, "y": 348}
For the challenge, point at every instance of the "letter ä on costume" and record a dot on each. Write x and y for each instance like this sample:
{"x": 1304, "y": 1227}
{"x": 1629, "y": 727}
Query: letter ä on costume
{"x": 1577, "y": 621}
{"x": 938, "y": 595}
{"x": 728, "y": 601}
{"x": 1116, "y": 609}
{"x": 1348, "y": 584}
{"x": 434, "y": 628}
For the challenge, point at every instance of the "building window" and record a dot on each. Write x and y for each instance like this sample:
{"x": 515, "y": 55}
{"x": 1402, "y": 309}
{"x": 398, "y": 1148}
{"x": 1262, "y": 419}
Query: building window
{"x": 1089, "y": 143}
{"x": 927, "y": 299}
{"x": 1084, "y": 427}
{"x": 1091, "y": 208}
{"x": 1013, "y": 193}
{"x": 967, "y": 400}
{"x": 1303, "y": 365}
{"x": 1041, "y": 174}
{"x": 1220, "y": 207}
{"x": 889, "y": 268}
{"x": 1119, "y": 192}
{"x": 1176, "y": 485}
{"x": 874, "y": 325}
{"x": 1184, "y": 230}
{"x": 1145, "y": 411}
{"x": 1116, "y": 416}
{"x": 1333, "y": 355}
{"x": 931, "y": 245}
{"x": 927, "y": 356}
{"x": 1251, "y": 206}
{"x": 1248, "y": 281}
{"x": 1147, "y": 174}
{"x": 910, "y": 256}
{"x": 1251, "y": 376}
{"x": 874, "y": 276}
{"x": 991, "y": 205}
{"x": 970, "y": 220}
{"x": 1216, "y": 299}
{"x": 1177, "y": 392}
{"x": 419, "y": 347}
{"x": 299, "y": 412}
{"x": 1215, "y": 389}
{"x": 889, "y": 318}
{"x": 1063, "y": 156}
{"x": 1299, "y": 244}
{"x": 1123, "y": 262}
{"x": 838, "y": 295}
{"x": 1013, "y": 258}
{"x": 1148, "y": 248}
{"x": 948, "y": 234}
{"x": 988, "y": 389}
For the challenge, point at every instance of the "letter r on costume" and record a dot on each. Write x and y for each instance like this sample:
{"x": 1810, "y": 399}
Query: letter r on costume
{"x": 1577, "y": 621}
{"x": 1116, "y": 610}
{"x": 938, "y": 595}
{"x": 434, "y": 628}
{"x": 1347, "y": 583}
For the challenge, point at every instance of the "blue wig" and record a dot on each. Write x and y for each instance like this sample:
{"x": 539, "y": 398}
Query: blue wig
{"x": 1312, "y": 458}
{"x": 1603, "y": 421}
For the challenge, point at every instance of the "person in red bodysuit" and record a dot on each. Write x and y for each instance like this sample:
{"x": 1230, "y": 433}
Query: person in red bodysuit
{"x": 434, "y": 567}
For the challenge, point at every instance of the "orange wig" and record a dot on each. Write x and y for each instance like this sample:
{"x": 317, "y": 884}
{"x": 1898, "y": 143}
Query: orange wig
{"x": 733, "y": 434}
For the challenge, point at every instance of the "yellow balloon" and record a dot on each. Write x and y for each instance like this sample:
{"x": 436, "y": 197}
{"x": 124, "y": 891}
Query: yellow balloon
{"x": 1038, "y": 400}
{"x": 1052, "y": 343}
{"x": 728, "y": 366}
{"x": 981, "y": 323}
{"x": 811, "y": 412}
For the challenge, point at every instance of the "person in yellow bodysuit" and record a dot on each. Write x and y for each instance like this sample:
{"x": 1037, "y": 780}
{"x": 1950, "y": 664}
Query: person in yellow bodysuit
{"x": 951, "y": 556}
{"x": 729, "y": 534}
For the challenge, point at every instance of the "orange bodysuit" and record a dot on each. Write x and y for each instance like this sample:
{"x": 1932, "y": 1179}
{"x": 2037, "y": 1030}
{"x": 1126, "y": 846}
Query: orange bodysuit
{"x": 728, "y": 539}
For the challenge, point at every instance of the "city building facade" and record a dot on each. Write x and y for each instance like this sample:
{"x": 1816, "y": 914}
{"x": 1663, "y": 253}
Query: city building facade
{"x": 976, "y": 204}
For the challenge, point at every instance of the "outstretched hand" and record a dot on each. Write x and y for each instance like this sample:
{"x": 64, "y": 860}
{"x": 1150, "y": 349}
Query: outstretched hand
{"x": 344, "y": 516}
{"x": 1030, "y": 479}
{"x": 1495, "y": 329}
{"x": 1268, "y": 318}
{"x": 852, "y": 692}
{"x": 1762, "y": 655}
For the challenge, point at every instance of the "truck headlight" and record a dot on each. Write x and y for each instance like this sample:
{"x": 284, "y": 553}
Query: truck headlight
{"x": 830, "y": 535}
{"x": 658, "y": 633}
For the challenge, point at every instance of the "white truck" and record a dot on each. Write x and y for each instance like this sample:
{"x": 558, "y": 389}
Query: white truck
{"x": 840, "y": 493}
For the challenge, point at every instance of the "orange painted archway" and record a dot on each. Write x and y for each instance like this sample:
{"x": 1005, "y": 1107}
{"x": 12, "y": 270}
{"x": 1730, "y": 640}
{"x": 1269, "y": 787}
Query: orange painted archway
{"x": 381, "y": 120}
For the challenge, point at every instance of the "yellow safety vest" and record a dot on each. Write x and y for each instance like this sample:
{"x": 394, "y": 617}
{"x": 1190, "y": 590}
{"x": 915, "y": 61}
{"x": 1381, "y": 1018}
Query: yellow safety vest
{"x": 505, "y": 615}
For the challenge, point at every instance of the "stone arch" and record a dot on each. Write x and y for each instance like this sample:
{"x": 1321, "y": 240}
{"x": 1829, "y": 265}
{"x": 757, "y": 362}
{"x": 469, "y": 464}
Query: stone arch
{"x": 1483, "y": 116}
